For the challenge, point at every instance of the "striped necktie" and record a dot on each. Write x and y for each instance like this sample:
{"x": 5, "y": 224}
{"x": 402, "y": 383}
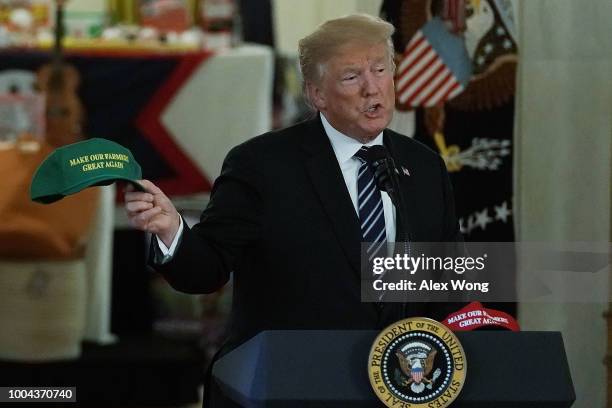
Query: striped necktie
{"x": 371, "y": 212}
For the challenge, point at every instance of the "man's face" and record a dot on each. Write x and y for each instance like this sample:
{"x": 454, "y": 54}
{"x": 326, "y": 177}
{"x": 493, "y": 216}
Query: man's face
{"x": 356, "y": 93}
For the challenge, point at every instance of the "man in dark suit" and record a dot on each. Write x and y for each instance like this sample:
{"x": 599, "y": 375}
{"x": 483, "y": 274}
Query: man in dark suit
{"x": 287, "y": 214}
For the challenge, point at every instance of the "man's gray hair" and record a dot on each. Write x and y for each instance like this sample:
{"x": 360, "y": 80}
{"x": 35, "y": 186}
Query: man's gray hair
{"x": 318, "y": 47}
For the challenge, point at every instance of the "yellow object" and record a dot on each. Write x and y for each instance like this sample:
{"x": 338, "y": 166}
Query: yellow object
{"x": 98, "y": 44}
{"x": 448, "y": 153}
{"x": 123, "y": 11}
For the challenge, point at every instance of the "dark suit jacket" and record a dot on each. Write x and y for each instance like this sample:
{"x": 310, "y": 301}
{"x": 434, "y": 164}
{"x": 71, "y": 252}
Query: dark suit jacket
{"x": 281, "y": 218}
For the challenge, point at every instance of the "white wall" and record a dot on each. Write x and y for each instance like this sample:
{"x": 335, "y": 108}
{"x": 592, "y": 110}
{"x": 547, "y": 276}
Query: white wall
{"x": 563, "y": 142}
{"x": 295, "y": 19}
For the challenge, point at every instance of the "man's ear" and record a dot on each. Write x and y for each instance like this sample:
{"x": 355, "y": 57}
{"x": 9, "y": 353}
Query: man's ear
{"x": 316, "y": 96}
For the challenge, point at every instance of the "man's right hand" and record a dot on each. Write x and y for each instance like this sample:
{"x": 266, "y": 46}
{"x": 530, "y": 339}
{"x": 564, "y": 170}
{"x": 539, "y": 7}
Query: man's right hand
{"x": 152, "y": 211}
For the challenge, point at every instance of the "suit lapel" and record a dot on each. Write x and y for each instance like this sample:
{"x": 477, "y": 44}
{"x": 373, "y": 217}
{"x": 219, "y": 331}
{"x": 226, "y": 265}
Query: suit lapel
{"x": 329, "y": 185}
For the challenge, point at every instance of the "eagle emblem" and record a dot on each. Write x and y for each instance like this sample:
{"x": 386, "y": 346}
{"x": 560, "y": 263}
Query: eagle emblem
{"x": 488, "y": 30}
{"x": 416, "y": 360}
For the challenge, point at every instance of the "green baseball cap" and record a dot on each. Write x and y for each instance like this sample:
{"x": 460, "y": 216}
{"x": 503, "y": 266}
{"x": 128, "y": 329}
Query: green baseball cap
{"x": 71, "y": 168}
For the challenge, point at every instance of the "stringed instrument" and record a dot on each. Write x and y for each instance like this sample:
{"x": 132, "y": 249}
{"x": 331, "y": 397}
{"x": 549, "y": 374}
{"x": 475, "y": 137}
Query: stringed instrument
{"x": 59, "y": 82}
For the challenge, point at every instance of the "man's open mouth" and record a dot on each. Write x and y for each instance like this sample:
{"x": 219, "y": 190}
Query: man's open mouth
{"x": 374, "y": 108}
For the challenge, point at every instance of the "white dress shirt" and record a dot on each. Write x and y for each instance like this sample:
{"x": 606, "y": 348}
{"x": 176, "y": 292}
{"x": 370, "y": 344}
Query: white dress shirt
{"x": 344, "y": 148}
{"x": 168, "y": 252}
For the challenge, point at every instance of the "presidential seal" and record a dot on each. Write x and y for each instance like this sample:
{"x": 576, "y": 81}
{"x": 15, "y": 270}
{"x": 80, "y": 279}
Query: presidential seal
{"x": 417, "y": 362}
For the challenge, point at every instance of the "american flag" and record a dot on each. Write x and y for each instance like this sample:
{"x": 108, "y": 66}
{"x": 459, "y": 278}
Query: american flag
{"x": 434, "y": 68}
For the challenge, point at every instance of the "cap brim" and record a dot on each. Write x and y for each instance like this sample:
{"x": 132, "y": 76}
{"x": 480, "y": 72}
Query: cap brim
{"x": 94, "y": 182}
{"x": 101, "y": 180}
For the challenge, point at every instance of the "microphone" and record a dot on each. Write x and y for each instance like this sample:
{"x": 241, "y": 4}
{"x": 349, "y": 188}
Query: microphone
{"x": 384, "y": 171}
{"x": 386, "y": 177}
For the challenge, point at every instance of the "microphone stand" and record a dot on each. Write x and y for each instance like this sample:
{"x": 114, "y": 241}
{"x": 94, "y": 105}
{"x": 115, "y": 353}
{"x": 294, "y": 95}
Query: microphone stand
{"x": 401, "y": 211}
{"x": 391, "y": 186}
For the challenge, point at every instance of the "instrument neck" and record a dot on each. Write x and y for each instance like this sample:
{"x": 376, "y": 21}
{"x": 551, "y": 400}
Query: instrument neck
{"x": 59, "y": 33}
